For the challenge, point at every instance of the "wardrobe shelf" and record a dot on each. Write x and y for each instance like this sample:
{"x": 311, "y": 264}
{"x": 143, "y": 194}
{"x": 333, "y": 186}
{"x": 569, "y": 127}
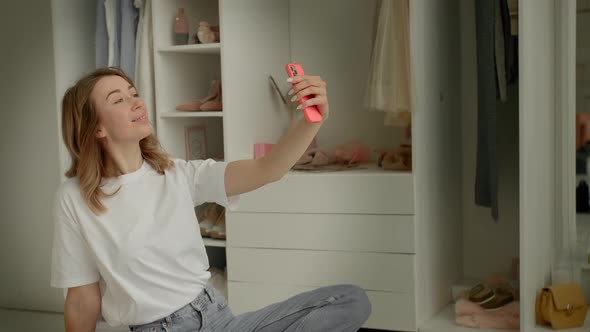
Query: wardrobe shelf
{"x": 368, "y": 170}
{"x": 176, "y": 114}
{"x": 214, "y": 243}
{"x": 213, "y": 48}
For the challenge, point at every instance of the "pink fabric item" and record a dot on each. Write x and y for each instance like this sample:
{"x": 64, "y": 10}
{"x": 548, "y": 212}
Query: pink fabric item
{"x": 261, "y": 149}
{"x": 344, "y": 156}
{"x": 489, "y": 322}
{"x": 352, "y": 153}
{"x": 472, "y": 315}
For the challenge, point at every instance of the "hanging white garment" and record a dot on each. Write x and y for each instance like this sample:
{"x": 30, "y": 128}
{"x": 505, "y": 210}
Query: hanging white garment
{"x": 389, "y": 83}
{"x": 144, "y": 68}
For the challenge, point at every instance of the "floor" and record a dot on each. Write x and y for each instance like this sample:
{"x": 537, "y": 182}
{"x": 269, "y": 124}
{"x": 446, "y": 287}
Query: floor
{"x": 27, "y": 321}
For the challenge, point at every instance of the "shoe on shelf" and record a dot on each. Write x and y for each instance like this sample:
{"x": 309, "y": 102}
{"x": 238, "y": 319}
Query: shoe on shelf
{"x": 481, "y": 293}
{"x": 502, "y": 296}
{"x": 195, "y": 105}
{"x": 207, "y": 217}
{"x": 218, "y": 230}
{"x": 214, "y": 105}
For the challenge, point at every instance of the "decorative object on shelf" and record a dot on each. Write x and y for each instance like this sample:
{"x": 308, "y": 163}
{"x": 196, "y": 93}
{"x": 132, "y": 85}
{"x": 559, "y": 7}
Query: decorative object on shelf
{"x": 214, "y": 98}
{"x": 205, "y": 34}
{"x": 561, "y": 306}
{"x": 196, "y": 142}
{"x": 214, "y": 28}
{"x": 180, "y": 28}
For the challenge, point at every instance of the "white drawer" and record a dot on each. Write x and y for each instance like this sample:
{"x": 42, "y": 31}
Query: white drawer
{"x": 390, "y": 311}
{"x": 374, "y": 271}
{"x": 348, "y": 232}
{"x": 359, "y": 191}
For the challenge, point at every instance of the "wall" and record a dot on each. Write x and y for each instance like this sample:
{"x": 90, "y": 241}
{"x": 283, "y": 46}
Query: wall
{"x": 34, "y": 157}
{"x": 73, "y": 39}
{"x": 29, "y": 151}
{"x": 488, "y": 246}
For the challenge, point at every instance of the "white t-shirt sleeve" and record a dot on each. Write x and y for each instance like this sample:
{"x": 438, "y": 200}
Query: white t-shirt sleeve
{"x": 72, "y": 263}
{"x": 206, "y": 179}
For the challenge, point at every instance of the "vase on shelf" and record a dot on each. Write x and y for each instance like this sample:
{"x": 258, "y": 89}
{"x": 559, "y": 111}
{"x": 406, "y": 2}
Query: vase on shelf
{"x": 180, "y": 28}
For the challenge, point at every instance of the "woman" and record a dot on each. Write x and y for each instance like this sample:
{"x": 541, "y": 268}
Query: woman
{"x": 126, "y": 217}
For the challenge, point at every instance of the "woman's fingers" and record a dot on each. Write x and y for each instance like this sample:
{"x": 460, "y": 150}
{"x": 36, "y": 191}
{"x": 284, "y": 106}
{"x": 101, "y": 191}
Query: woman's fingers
{"x": 302, "y": 82}
{"x": 311, "y": 90}
{"x": 318, "y": 101}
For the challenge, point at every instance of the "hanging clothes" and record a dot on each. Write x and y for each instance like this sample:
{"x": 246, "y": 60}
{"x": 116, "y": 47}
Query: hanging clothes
{"x": 101, "y": 37}
{"x": 510, "y": 45}
{"x": 144, "y": 69}
{"x": 113, "y": 26}
{"x": 486, "y": 182}
{"x": 115, "y": 35}
{"x": 513, "y": 7}
{"x": 389, "y": 83}
{"x": 127, "y": 36}
{"x": 500, "y": 53}
{"x": 497, "y": 70}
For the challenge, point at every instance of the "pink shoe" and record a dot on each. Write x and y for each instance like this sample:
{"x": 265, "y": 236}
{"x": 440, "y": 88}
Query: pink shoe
{"x": 214, "y": 105}
{"x": 195, "y": 105}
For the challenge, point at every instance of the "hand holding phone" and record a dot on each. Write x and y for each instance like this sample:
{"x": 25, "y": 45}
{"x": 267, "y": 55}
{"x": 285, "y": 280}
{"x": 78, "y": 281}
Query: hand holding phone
{"x": 311, "y": 113}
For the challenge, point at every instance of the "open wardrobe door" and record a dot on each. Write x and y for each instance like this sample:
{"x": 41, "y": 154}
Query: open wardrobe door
{"x": 544, "y": 193}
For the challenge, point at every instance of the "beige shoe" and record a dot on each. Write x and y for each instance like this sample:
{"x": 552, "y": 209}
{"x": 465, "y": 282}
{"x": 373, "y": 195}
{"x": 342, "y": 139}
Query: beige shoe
{"x": 212, "y": 99}
{"x": 207, "y": 218}
{"x": 218, "y": 230}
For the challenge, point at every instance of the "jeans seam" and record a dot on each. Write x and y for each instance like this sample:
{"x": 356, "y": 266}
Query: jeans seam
{"x": 313, "y": 308}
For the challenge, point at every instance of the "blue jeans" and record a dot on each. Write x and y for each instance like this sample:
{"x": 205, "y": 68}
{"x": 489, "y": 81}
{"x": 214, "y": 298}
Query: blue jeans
{"x": 334, "y": 308}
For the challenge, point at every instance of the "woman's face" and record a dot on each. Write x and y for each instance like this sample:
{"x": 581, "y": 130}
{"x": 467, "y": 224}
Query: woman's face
{"x": 122, "y": 114}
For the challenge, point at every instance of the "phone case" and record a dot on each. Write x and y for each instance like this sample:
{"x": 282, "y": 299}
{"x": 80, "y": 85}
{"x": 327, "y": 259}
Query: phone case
{"x": 311, "y": 113}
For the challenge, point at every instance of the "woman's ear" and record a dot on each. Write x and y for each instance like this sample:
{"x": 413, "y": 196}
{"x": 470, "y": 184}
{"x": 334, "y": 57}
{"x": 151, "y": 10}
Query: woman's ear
{"x": 101, "y": 132}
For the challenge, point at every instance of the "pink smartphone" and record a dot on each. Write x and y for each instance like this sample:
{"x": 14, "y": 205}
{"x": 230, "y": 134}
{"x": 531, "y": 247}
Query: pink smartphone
{"x": 311, "y": 113}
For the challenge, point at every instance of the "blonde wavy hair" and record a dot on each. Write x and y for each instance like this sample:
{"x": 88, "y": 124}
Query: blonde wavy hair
{"x": 79, "y": 126}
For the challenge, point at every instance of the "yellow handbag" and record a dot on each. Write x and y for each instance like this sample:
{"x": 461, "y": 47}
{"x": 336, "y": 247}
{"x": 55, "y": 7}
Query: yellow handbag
{"x": 561, "y": 306}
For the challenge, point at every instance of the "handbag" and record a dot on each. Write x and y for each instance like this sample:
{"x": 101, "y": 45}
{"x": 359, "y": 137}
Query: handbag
{"x": 561, "y": 306}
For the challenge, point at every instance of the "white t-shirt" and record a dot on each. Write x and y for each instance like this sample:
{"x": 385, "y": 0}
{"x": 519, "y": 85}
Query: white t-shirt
{"x": 146, "y": 247}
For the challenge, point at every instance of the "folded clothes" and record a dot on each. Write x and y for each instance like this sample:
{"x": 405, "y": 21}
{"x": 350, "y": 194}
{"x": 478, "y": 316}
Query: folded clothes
{"x": 475, "y": 315}
{"x": 466, "y": 307}
{"x": 344, "y": 156}
{"x": 488, "y": 321}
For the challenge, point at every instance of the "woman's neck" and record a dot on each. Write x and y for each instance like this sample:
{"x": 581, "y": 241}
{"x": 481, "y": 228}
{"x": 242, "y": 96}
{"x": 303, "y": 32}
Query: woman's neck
{"x": 122, "y": 160}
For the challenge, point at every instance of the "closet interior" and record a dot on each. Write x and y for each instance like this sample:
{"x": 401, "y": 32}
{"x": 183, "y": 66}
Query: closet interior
{"x": 412, "y": 238}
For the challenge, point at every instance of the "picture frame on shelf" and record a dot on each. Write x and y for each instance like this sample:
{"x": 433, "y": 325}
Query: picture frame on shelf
{"x": 196, "y": 142}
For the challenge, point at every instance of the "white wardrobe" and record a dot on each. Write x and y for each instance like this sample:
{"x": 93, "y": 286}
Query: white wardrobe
{"x": 405, "y": 237}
